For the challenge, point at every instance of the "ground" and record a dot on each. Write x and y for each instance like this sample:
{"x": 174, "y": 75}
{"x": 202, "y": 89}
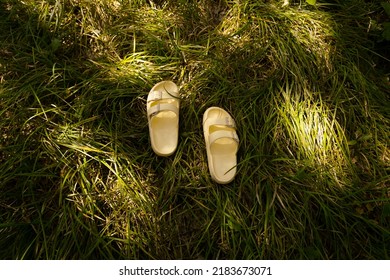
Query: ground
{"x": 308, "y": 86}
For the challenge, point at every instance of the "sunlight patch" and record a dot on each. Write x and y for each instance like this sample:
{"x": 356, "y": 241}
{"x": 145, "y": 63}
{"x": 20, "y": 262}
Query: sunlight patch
{"x": 314, "y": 136}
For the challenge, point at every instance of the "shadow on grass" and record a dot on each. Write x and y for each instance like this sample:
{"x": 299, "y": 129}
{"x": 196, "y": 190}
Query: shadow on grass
{"x": 38, "y": 221}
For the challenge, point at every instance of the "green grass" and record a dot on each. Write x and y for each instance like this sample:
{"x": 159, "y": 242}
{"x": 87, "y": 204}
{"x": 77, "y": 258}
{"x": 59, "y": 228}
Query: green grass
{"x": 307, "y": 85}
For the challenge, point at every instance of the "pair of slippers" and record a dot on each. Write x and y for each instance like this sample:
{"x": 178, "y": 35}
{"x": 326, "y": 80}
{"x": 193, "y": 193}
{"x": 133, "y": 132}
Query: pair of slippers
{"x": 219, "y": 131}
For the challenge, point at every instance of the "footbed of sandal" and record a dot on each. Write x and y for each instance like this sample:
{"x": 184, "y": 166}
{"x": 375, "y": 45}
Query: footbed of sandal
{"x": 163, "y": 117}
{"x": 221, "y": 140}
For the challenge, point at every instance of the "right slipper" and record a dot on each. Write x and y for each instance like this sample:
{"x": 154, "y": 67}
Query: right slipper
{"x": 163, "y": 117}
{"x": 221, "y": 139}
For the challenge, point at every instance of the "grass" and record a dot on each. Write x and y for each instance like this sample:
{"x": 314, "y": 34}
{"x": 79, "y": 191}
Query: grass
{"x": 309, "y": 90}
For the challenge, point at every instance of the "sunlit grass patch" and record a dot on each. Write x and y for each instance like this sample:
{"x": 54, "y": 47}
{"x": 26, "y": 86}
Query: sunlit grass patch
{"x": 313, "y": 134}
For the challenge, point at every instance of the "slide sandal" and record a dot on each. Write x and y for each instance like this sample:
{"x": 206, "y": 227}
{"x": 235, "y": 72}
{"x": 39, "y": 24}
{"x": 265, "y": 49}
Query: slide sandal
{"x": 221, "y": 139}
{"x": 163, "y": 117}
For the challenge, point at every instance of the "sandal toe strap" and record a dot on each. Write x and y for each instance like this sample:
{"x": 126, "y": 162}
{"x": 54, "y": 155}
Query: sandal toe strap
{"x": 160, "y": 95}
{"x": 154, "y": 110}
{"x": 220, "y": 134}
{"x": 227, "y": 121}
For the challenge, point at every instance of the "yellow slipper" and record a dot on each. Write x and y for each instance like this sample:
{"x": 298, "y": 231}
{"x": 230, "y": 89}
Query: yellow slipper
{"x": 221, "y": 139}
{"x": 163, "y": 117}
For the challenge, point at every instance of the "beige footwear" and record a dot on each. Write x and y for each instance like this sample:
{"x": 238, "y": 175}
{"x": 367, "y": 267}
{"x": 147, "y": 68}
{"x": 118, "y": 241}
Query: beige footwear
{"x": 163, "y": 117}
{"x": 221, "y": 139}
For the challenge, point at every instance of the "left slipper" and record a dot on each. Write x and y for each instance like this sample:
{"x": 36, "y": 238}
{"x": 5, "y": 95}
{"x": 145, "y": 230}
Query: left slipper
{"x": 163, "y": 117}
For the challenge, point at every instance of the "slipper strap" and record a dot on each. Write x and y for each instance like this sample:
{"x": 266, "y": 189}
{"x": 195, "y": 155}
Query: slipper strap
{"x": 223, "y": 134}
{"x": 226, "y": 121}
{"x": 160, "y": 95}
{"x": 154, "y": 110}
